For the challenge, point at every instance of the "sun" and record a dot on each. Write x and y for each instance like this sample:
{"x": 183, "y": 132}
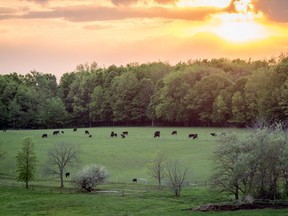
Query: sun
{"x": 241, "y": 24}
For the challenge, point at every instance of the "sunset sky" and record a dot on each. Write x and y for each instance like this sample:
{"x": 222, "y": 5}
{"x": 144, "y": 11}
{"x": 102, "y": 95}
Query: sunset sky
{"x": 53, "y": 36}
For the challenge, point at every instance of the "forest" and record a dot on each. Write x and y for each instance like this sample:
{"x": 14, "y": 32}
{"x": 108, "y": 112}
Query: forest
{"x": 216, "y": 92}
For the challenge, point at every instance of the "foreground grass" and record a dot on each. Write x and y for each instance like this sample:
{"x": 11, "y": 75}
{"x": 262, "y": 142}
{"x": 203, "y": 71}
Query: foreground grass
{"x": 19, "y": 201}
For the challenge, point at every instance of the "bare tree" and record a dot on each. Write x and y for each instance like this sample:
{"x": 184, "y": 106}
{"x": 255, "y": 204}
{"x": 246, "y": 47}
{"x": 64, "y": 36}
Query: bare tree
{"x": 60, "y": 156}
{"x": 176, "y": 174}
{"x": 156, "y": 167}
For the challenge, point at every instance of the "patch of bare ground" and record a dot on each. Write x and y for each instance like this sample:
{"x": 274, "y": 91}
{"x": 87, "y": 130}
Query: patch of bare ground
{"x": 235, "y": 207}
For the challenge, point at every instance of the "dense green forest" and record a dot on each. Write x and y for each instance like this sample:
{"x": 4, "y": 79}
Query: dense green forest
{"x": 216, "y": 92}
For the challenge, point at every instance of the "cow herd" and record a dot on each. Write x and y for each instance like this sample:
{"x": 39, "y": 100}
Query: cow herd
{"x": 192, "y": 135}
{"x": 124, "y": 134}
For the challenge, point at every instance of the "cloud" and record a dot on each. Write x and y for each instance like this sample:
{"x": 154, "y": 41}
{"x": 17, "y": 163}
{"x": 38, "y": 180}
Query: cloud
{"x": 130, "y": 2}
{"x": 94, "y": 13}
{"x": 276, "y": 10}
{"x": 39, "y": 1}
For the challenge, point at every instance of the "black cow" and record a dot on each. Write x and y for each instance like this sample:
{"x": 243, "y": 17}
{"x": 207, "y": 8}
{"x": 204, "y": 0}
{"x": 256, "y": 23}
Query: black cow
{"x": 156, "y": 134}
{"x": 90, "y": 136}
{"x": 125, "y": 133}
{"x": 62, "y": 132}
{"x": 213, "y": 134}
{"x": 74, "y": 129}
{"x": 86, "y": 132}
{"x": 55, "y": 132}
{"x": 44, "y": 136}
{"x": 67, "y": 174}
{"x": 194, "y": 136}
{"x": 134, "y": 180}
{"x": 113, "y": 134}
{"x": 174, "y": 133}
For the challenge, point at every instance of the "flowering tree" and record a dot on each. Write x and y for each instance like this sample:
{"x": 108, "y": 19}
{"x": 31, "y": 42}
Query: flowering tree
{"x": 90, "y": 176}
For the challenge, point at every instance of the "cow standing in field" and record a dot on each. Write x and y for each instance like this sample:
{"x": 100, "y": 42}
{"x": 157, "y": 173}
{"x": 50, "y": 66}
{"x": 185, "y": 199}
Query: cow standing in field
{"x": 123, "y": 135}
{"x": 55, "y": 132}
{"x": 213, "y": 134}
{"x": 44, "y": 136}
{"x": 193, "y": 136}
{"x": 74, "y": 129}
{"x": 113, "y": 134}
{"x": 157, "y": 134}
{"x": 62, "y": 132}
{"x": 67, "y": 174}
{"x": 90, "y": 136}
{"x": 86, "y": 132}
{"x": 174, "y": 133}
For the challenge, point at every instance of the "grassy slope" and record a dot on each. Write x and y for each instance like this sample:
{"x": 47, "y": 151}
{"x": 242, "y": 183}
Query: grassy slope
{"x": 124, "y": 158}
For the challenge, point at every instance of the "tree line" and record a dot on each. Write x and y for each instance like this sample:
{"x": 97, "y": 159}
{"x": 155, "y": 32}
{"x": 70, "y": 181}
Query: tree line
{"x": 216, "y": 92}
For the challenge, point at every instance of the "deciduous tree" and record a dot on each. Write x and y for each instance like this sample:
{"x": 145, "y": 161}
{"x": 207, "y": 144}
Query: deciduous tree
{"x": 61, "y": 156}
{"x": 26, "y": 161}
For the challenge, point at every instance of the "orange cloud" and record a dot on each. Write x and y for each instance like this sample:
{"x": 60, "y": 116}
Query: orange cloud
{"x": 94, "y": 13}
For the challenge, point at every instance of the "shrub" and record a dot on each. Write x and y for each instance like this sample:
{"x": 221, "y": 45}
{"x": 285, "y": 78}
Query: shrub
{"x": 90, "y": 176}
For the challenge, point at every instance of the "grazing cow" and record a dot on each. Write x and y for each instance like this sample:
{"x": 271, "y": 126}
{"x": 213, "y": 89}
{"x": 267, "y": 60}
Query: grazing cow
{"x": 74, "y": 129}
{"x": 113, "y": 134}
{"x": 62, "y": 132}
{"x": 44, "y": 136}
{"x": 140, "y": 180}
{"x": 174, "y": 133}
{"x": 213, "y": 134}
{"x": 194, "y": 136}
{"x": 90, "y": 136}
{"x": 67, "y": 174}
{"x": 55, "y": 132}
{"x": 156, "y": 134}
{"x": 125, "y": 133}
{"x": 86, "y": 132}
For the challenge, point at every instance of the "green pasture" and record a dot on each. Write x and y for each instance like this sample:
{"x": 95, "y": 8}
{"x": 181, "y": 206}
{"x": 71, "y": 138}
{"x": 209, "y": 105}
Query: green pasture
{"x": 124, "y": 158}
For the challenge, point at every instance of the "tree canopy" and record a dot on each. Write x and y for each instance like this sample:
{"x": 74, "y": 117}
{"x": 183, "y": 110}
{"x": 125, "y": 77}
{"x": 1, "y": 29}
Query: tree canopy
{"x": 204, "y": 92}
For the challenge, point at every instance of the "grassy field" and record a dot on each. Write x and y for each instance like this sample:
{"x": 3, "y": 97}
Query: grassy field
{"x": 125, "y": 159}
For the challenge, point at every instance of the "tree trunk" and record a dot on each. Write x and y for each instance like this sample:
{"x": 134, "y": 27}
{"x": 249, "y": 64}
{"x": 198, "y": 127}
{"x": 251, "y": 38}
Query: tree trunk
{"x": 61, "y": 180}
{"x": 237, "y": 194}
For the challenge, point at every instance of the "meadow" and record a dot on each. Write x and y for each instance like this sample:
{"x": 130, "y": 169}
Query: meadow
{"x": 125, "y": 159}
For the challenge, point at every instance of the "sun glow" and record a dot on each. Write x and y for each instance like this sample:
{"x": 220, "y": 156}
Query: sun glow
{"x": 242, "y": 24}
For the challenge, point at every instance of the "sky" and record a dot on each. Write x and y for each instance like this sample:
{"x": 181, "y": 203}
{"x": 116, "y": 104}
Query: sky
{"x": 54, "y": 36}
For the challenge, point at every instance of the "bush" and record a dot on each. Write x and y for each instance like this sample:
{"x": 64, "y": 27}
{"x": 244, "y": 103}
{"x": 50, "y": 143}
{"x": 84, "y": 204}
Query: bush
{"x": 90, "y": 176}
